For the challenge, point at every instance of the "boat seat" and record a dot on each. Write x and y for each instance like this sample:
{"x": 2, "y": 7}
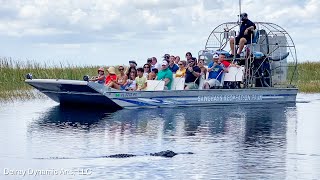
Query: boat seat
{"x": 177, "y": 83}
{"x": 233, "y": 78}
{"x": 234, "y": 74}
{"x": 155, "y": 85}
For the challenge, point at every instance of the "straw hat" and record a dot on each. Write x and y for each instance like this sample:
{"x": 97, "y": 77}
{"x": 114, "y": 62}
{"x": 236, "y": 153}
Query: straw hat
{"x": 112, "y": 70}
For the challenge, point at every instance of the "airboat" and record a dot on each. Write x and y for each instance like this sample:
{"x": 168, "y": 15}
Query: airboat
{"x": 267, "y": 76}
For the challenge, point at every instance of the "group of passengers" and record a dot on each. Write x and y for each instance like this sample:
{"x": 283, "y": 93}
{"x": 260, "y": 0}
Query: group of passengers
{"x": 133, "y": 78}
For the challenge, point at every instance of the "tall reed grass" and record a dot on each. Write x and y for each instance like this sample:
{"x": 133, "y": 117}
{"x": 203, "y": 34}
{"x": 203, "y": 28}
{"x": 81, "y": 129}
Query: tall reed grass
{"x": 12, "y": 74}
{"x": 308, "y": 77}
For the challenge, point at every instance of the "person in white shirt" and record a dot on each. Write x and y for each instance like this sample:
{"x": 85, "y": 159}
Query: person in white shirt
{"x": 155, "y": 64}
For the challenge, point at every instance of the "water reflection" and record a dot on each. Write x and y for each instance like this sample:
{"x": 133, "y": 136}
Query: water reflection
{"x": 65, "y": 117}
{"x": 238, "y": 139}
{"x": 254, "y": 122}
{"x": 228, "y": 142}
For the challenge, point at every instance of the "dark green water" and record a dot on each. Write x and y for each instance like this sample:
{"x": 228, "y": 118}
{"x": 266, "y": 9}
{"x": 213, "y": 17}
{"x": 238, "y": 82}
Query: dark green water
{"x": 229, "y": 142}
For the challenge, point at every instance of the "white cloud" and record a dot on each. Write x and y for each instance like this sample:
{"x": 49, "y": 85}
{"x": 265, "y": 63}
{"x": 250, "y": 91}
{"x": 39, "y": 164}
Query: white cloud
{"x": 141, "y": 28}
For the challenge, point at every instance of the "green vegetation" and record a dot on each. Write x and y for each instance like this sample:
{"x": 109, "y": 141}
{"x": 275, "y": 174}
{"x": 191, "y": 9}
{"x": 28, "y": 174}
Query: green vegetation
{"x": 13, "y": 74}
{"x": 308, "y": 77}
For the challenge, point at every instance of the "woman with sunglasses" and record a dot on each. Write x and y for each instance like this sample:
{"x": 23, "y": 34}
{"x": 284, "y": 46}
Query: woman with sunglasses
{"x": 146, "y": 70}
{"x": 181, "y": 72}
{"x": 130, "y": 85}
{"x": 121, "y": 80}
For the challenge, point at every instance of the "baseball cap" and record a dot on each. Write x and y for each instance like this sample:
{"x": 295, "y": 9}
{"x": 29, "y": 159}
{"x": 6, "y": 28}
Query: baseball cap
{"x": 164, "y": 63}
{"x": 133, "y": 62}
{"x": 166, "y": 56}
{"x": 215, "y": 56}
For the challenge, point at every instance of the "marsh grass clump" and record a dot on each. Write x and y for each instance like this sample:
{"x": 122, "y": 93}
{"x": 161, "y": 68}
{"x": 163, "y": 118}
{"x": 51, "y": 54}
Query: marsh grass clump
{"x": 308, "y": 74}
{"x": 13, "y": 74}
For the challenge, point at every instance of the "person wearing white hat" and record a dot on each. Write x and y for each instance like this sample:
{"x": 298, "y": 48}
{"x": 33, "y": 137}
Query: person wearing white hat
{"x": 165, "y": 74}
{"x": 215, "y": 73}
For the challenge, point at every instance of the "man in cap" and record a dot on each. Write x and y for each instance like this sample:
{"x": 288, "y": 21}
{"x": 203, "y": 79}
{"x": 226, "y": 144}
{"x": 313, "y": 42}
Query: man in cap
{"x": 244, "y": 37}
{"x": 215, "y": 73}
{"x": 166, "y": 57}
{"x": 165, "y": 74}
{"x": 133, "y": 63}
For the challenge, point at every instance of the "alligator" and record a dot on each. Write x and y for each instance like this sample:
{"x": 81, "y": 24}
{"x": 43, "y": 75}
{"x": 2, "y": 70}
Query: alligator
{"x": 166, "y": 154}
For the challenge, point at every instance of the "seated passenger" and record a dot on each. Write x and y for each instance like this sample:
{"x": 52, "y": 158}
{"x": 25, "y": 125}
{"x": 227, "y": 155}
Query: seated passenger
{"x": 146, "y": 70}
{"x": 121, "y": 80}
{"x": 155, "y": 64}
{"x": 181, "y": 72}
{"x": 132, "y": 67}
{"x": 112, "y": 77}
{"x": 165, "y": 74}
{"x": 130, "y": 85}
{"x": 172, "y": 66}
{"x": 100, "y": 78}
{"x": 188, "y": 56}
{"x": 225, "y": 62}
{"x": 192, "y": 75}
{"x": 177, "y": 59}
{"x": 201, "y": 66}
{"x": 141, "y": 81}
{"x": 215, "y": 73}
{"x": 153, "y": 74}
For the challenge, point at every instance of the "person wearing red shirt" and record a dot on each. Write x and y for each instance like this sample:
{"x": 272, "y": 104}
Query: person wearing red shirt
{"x": 112, "y": 77}
{"x": 226, "y": 63}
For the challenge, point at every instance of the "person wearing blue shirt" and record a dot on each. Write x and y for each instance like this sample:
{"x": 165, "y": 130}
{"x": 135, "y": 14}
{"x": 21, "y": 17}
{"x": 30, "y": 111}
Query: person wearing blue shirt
{"x": 215, "y": 73}
{"x": 172, "y": 66}
{"x": 244, "y": 37}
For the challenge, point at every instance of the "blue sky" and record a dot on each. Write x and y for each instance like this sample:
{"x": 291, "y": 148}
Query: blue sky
{"x": 109, "y": 32}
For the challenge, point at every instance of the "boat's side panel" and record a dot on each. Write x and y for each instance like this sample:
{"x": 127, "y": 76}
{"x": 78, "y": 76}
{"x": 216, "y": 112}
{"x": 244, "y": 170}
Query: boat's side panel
{"x": 75, "y": 93}
{"x": 201, "y": 98}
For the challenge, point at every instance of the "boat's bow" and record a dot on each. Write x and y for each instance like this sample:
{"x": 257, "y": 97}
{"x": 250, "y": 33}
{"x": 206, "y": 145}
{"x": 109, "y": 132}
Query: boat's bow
{"x": 71, "y": 92}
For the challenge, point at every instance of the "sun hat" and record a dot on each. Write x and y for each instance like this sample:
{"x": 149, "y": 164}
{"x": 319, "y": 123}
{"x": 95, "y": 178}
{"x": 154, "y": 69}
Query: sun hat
{"x": 101, "y": 69}
{"x": 112, "y": 70}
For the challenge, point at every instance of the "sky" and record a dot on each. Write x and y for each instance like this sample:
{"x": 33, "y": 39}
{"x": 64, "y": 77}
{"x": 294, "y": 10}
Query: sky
{"x": 112, "y": 32}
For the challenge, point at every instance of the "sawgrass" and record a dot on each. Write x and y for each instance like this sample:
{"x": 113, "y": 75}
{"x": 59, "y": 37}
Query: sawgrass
{"x": 308, "y": 80}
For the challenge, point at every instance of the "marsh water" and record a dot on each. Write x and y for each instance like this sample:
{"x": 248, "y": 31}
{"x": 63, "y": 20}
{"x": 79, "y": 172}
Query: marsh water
{"x": 40, "y": 139}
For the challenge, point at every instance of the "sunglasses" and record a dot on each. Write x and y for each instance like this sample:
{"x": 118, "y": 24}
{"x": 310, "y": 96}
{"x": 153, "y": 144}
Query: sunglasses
{"x": 180, "y": 64}
{"x": 121, "y": 69}
{"x": 146, "y": 67}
